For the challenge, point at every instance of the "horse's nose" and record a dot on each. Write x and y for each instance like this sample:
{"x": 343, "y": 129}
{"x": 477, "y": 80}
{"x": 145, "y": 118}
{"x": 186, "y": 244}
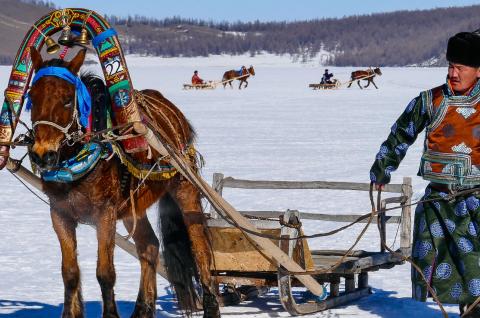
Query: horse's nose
{"x": 50, "y": 158}
{"x": 36, "y": 159}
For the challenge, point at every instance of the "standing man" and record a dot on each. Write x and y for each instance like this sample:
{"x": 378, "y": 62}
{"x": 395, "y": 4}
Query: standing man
{"x": 196, "y": 80}
{"x": 446, "y": 242}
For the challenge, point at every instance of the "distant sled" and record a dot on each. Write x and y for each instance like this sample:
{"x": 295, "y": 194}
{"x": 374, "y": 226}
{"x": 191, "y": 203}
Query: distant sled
{"x": 333, "y": 85}
{"x": 206, "y": 85}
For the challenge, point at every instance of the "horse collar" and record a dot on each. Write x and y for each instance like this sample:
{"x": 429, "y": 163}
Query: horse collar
{"x": 78, "y": 166}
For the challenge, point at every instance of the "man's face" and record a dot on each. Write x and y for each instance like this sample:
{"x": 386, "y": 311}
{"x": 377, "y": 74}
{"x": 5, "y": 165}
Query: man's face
{"x": 462, "y": 77}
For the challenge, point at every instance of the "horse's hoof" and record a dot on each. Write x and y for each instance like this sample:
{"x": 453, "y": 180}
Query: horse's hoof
{"x": 211, "y": 313}
{"x": 143, "y": 311}
{"x": 210, "y": 306}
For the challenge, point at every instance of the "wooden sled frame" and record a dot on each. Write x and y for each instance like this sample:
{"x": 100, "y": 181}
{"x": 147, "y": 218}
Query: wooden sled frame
{"x": 208, "y": 85}
{"x": 353, "y": 270}
{"x": 316, "y": 86}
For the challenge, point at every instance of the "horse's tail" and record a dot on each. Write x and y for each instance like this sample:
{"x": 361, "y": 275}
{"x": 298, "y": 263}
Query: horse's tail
{"x": 177, "y": 252}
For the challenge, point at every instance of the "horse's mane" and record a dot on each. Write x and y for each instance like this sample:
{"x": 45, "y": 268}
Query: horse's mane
{"x": 88, "y": 77}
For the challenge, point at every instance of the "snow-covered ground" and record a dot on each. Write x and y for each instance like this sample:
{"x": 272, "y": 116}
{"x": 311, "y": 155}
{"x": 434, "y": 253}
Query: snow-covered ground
{"x": 276, "y": 129}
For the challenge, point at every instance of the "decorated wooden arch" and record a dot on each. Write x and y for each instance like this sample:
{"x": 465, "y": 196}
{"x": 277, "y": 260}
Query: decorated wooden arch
{"x": 111, "y": 57}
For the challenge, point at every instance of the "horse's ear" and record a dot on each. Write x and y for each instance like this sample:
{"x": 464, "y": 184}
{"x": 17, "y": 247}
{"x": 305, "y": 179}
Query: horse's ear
{"x": 77, "y": 61}
{"x": 37, "y": 60}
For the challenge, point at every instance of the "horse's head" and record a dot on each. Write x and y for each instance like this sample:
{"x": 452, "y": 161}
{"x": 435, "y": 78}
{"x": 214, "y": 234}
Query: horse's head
{"x": 251, "y": 70}
{"x": 54, "y": 111}
{"x": 377, "y": 71}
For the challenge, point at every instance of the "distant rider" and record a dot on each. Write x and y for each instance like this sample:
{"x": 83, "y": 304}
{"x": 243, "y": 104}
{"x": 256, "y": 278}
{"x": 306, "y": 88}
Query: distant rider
{"x": 242, "y": 70}
{"x": 326, "y": 77}
{"x": 196, "y": 80}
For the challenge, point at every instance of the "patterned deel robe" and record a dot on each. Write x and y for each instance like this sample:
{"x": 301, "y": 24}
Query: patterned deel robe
{"x": 445, "y": 236}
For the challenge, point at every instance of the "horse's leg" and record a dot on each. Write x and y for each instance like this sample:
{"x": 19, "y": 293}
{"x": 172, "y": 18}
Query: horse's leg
{"x": 246, "y": 84}
{"x": 230, "y": 82}
{"x": 374, "y": 84}
{"x": 358, "y": 82}
{"x": 188, "y": 198}
{"x": 147, "y": 245}
{"x": 351, "y": 81}
{"x": 240, "y": 86}
{"x": 368, "y": 83}
{"x": 65, "y": 228}
{"x": 105, "y": 268}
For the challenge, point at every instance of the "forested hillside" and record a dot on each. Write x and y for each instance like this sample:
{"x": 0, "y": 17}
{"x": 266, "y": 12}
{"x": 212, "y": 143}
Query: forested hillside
{"x": 388, "y": 39}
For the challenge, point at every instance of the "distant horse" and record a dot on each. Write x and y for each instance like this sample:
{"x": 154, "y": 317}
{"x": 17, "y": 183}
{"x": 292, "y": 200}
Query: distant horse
{"x": 367, "y": 75}
{"x": 242, "y": 76}
{"x": 106, "y": 194}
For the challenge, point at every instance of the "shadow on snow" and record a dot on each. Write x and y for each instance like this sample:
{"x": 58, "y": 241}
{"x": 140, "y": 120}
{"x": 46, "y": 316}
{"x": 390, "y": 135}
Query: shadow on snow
{"x": 166, "y": 307}
{"x": 380, "y": 303}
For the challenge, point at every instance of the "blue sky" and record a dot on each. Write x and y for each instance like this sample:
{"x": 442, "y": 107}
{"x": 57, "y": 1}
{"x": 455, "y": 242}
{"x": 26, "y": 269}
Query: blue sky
{"x": 249, "y": 10}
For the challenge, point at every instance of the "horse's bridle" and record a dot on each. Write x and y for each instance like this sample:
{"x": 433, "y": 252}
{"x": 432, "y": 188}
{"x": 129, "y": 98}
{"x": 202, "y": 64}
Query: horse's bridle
{"x": 70, "y": 138}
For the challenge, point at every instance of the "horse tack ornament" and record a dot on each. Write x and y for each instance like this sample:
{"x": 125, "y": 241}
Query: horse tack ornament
{"x": 104, "y": 39}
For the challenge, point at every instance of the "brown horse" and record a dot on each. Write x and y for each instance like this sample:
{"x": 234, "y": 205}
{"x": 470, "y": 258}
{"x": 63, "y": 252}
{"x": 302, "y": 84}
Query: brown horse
{"x": 104, "y": 195}
{"x": 367, "y": 75}
{"x": 241, "y": 75}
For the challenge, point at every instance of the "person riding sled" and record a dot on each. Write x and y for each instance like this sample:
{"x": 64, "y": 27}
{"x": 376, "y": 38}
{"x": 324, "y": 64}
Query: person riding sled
{"x": 445, "y": 240}
{"x": 326, "y": 78}
{"x": 196, "y": 80}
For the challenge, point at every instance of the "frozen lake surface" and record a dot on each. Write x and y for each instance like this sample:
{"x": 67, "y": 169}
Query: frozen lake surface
{"x": 276, "y": 129}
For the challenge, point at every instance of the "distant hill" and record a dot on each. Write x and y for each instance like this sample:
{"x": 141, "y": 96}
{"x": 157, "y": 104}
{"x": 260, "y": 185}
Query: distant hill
{"x": 388, "y": 39}
{"x": 16, "y": 18}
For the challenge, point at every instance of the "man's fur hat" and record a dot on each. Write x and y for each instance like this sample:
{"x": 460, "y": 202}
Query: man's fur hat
{"x": 464, "y": 48}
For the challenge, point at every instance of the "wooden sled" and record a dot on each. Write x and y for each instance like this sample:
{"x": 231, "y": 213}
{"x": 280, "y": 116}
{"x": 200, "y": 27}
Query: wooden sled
{"x": 239, "y": 263}
{"x": 208, "y": 85}
{"x": 334, "y": 85}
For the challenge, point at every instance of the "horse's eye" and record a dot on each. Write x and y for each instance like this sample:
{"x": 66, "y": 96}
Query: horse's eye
{"x": 68, "y": 104}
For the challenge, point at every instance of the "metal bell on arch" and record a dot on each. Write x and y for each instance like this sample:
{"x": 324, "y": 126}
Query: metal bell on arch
{"x": 52, "y": 46}
{"x": 66, "y": 37}
{"x": 82, "y": 39}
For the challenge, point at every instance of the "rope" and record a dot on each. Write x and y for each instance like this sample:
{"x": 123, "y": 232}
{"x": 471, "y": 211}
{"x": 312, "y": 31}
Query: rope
{"x": 28, "y": 188}
{"x": 134, "y": 215}
{"x": 469, "y": 308}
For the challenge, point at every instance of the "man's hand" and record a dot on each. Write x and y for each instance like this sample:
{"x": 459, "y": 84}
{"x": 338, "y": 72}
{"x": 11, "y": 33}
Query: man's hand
{"x": 379, "y": 186}
{"x": 4, "y": 154}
